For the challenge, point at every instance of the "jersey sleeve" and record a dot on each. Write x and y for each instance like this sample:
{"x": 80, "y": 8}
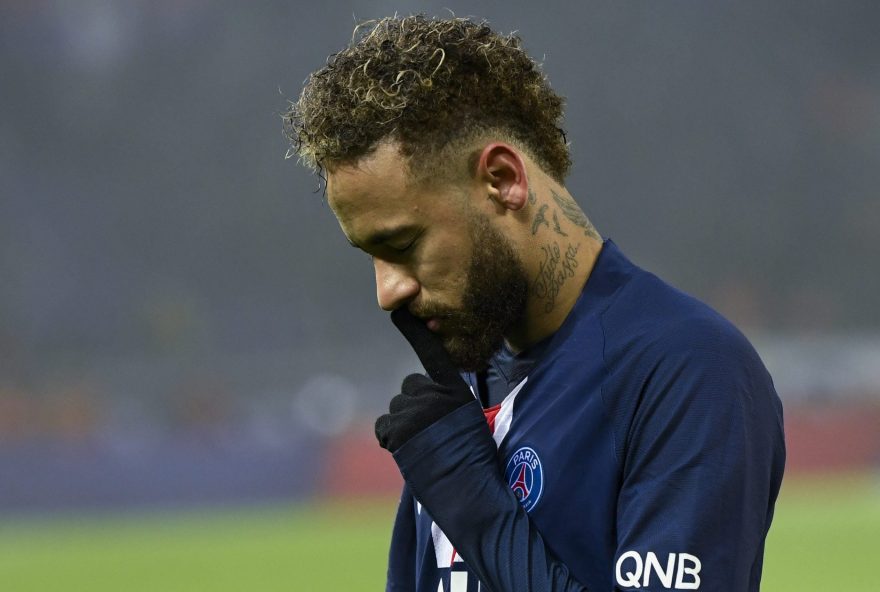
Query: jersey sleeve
{"x": 702, "y": 466}
{"x": 452, "y": 470}
{"x": 401, "y": 576}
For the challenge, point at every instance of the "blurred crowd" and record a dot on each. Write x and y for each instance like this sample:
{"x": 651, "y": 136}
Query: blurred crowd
{"x": 169, "y": 283}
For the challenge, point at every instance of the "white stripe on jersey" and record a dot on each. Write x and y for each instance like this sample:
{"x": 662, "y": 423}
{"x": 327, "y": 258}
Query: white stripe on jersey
{"x": 505, "y": 414}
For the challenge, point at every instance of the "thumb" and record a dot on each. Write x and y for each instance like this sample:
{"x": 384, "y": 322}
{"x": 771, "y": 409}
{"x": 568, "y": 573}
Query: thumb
{"x": 429, "y": 348}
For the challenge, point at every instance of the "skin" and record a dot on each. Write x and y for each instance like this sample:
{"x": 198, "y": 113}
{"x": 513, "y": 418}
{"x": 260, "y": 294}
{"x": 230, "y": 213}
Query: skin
{"x": 416, "y": 232}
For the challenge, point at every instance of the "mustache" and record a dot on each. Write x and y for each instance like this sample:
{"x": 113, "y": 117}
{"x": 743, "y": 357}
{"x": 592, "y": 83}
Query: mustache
{"x": 438, "y": 312}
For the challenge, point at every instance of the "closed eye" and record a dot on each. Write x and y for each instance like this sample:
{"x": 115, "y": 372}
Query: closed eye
{"x": 404, "y": 248}
{"x": 407, "y": 246}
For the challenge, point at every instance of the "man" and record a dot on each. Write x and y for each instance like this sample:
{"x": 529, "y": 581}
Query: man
{"x": 609, "y": 432}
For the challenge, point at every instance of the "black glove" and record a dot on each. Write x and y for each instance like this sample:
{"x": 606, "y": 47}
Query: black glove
{"x": 422, "y": 400}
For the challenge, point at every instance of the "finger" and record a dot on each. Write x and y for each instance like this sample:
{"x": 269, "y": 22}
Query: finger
{"x": 428, "y": 347}
{"x": 383, "y": 430}
{"x": 398, "y": 403}
{"x": 416, "y": 382}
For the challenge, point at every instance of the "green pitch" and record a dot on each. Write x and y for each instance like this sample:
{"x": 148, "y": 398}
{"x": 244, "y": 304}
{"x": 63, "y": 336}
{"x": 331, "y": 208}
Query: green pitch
{"x": 826, "y": 536}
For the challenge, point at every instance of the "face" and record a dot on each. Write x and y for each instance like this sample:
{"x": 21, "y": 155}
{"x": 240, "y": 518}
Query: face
{"x": 433, "y": 251}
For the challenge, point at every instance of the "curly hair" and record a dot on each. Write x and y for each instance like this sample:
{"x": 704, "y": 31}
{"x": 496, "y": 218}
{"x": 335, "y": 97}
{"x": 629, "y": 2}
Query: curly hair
{"x": 426, "y": 83}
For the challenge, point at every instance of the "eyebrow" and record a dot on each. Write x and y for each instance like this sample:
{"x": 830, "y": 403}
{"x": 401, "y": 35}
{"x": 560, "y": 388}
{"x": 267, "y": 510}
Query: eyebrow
{"x": 383, "y": 236}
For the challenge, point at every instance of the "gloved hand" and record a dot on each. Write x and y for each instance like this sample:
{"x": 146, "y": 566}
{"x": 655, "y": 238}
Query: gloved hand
{"x": 422, "y": 400}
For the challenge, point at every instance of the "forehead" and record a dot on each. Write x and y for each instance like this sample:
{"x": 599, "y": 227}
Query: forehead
{"x": 371, "y": 177}
{"x": 372, "y": 193}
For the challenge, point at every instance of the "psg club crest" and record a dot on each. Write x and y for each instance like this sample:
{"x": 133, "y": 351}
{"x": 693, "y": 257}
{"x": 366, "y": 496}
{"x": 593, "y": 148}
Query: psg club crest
{"x": 525, "y": 476}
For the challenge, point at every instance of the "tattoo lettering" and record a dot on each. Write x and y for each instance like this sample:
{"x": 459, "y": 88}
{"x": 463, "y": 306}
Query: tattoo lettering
{"x": 554, "y": 271}
{"x": 574, "y": 213}
{"x": 556, "y": 226}
{"x": 532, "y": 199}
{"x": 540, "y": 218}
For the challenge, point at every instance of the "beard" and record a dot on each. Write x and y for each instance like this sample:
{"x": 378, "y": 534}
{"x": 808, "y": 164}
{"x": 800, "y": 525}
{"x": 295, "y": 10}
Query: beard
{"x": 495, "y": 294}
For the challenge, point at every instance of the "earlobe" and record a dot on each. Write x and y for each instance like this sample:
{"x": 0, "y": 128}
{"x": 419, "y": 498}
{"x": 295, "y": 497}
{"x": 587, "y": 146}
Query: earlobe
{"x": 502, "y": 168}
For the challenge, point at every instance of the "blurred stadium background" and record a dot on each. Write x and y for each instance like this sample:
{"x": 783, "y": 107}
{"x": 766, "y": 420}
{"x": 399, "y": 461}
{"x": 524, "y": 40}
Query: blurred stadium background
{"x": 190, "y": 353}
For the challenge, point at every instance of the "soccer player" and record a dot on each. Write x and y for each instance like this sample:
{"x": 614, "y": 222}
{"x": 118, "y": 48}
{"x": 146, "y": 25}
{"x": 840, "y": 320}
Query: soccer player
{"x": 582, "y": 424}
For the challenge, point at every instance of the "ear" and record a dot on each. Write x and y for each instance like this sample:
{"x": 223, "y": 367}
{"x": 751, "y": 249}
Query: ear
{"x": 502, "y": 169}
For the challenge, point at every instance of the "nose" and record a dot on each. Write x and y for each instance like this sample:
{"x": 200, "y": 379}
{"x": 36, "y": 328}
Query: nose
{"x": 394, "y": 285}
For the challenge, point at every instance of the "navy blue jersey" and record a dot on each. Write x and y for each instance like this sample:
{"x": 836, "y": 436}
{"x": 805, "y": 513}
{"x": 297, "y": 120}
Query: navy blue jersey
{"x": 643, "y": 450}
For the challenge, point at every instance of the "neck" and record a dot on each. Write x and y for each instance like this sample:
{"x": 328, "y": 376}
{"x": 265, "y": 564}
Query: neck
{"x": 562, "y": 250}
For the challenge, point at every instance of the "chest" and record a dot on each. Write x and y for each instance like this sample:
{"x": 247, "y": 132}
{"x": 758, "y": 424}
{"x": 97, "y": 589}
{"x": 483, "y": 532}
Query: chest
{"x": 556, "y": 452}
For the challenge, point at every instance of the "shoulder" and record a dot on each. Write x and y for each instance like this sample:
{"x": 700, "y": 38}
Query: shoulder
{"x": 673, "y": 363}
{"x": 651, "y": 323}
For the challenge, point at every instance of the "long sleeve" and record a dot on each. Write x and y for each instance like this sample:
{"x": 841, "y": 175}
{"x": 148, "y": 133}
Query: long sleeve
{"x": 401, "y": 575}
{"x": 703, "y": 466}
{"x": 452, "y": 470}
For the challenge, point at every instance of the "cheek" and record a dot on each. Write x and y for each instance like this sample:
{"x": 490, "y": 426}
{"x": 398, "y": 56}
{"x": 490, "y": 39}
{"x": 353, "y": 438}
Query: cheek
{"x": 443, "y": 273}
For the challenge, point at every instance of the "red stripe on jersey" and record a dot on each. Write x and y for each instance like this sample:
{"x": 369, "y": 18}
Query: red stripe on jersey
{"x": 490, "y": 414}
